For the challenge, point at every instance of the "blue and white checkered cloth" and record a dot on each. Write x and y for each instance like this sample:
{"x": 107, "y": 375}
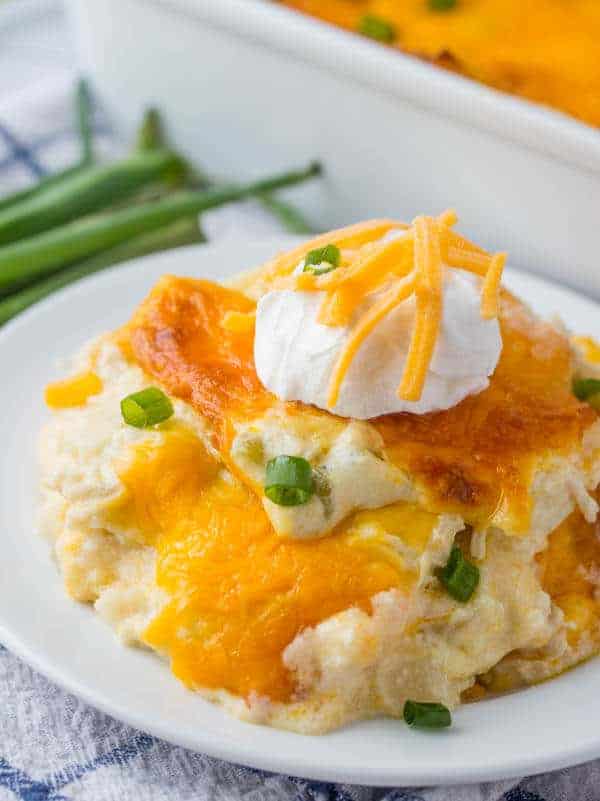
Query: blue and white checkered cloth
{"x": 53, "y": 747}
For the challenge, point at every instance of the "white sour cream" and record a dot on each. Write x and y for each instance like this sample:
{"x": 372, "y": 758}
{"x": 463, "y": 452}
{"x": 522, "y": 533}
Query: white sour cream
{"x": 295, "y": 355}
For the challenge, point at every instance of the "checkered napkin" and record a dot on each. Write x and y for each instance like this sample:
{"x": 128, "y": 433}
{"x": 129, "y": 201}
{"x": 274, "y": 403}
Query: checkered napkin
{"x": 52, "y": 746}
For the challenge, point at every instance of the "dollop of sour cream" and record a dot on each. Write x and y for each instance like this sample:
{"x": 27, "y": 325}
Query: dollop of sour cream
{"x": 295, "y": 355}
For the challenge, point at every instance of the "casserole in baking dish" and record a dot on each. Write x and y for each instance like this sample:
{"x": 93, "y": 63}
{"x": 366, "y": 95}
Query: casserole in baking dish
{"x": 246, "y": 84}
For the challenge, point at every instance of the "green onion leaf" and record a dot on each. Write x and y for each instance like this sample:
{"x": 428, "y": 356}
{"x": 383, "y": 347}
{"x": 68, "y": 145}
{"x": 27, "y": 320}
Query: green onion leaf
{"x": 322, "y": 260}
{"x": 459, "y": 577}
{"x": 585, "y": 389}
{"x": 150, "y": 133}
{"x": 25, "y": 261}
{"x": 84, "y": 121}
{"x": 441, "y": 5}
{"x": 377, "y": 28}
{"x": 146, "y": 408}
{"x": 427, "y": 715}
{"x": 289, "y": 481}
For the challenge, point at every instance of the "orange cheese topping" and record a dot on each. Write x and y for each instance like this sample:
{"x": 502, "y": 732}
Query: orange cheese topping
{"x": 469, "y": 458}
{"x": 239, "y": 322}
{"x": 389, "y": 301}
{"x": 177, "y": 335}
{"x": 428, "y": 265}
{"x": 491, "y": 287}
{"x": 351, "y": 237}
{"x": 478, "y": 455}
{"x": 239, "y": 593}
{"x": 546, "y": 52}
{"x": 73, "y": 391}
{"x": 590, "y": 348}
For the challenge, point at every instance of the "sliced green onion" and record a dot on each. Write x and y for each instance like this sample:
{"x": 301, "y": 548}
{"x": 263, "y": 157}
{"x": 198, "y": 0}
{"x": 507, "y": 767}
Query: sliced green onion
{"x": 289, "y": 481}
{"x": 441, "y": 5}
{"x": 322, "y": 260}
{"x": 423, "y": 715}
{"x": 146, "y": 408}
{"x": 587, "y": 389}
{"x": 377, "y": 28}
{"x": 459, "y": 577}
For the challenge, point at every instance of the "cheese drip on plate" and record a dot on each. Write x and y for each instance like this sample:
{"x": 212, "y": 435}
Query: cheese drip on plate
{"x": 405, "y": 323}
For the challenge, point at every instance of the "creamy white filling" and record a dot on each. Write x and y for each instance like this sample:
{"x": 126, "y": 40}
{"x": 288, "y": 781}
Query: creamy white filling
{"x": 295, "y": 355}
{"x": 349, "y": 475}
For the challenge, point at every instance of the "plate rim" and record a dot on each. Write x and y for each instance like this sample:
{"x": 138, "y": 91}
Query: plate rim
{"x": 399, "y": 774}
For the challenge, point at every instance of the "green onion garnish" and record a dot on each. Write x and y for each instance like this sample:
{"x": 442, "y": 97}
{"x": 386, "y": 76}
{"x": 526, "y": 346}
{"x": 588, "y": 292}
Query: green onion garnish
{"x": 289, "y": 481}
{"x": 587, "y": 389}
{"x": 322, "y": 260}
{"x": 459, "y": 577}
{"x": 377, "y": 28}
{"x": 441, "y": 5}
{"x": 427, "y": 715}
{"x": 146, "y": 408}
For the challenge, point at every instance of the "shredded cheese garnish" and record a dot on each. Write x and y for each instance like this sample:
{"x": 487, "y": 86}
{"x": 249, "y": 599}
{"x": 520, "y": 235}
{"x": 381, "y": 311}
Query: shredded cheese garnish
{"x": 491, "y": 287}
{"x": 403, "y": 289}
{"x": 428, "y": 264}
{"x": 351, "y": 237}
{"x": 410, "y": 264}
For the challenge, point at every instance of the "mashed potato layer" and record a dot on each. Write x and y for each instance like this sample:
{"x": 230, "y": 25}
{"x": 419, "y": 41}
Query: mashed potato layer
{"x": 166, "y": 538}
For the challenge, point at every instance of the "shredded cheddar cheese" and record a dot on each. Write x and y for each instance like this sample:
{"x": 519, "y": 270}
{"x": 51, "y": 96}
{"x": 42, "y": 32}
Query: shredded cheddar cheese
{"x": 389, "y": 301}
{"x": 428, "y": 263}
{"x": 73, "y": 391}
{"x": 352, "y": 236}
{"x": 409, "y": 264}
{"x": 491, "y": 287}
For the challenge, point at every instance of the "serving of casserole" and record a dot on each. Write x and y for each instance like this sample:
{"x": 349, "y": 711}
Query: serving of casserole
{"x": 547, "y": 53}
{"x": 356, "y": 481}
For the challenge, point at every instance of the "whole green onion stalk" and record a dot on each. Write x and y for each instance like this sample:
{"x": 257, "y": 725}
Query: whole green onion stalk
{"x": 87, "y": 191}
{"x": 27, "y": 260}
{"x": 177, "y": 234}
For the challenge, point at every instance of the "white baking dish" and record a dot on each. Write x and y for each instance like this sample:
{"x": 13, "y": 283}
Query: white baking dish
{"x": 249, "y": 87}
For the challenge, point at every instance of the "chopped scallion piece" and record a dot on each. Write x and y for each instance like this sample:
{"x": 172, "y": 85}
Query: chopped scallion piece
{"x": 377, "y": 28}
{"x": 441, "y": 5}
{"x": 146, "y": 408}
{"x": 459, "y": 577}
{"x": 322, "y": 260}
{"x": 587, "y": 389}
{"x": 289, "y": 481}
{"x": 427, "y": 715}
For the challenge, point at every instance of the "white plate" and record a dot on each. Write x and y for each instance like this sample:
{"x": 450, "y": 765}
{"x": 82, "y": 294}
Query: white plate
{"x": 538, "y": 729}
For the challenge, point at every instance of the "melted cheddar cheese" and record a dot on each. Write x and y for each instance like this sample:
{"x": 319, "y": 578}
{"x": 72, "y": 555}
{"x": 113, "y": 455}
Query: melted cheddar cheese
{"x": 239, "y": 593}
{"x": 177, "y": 336}
{"x": 589, "y": 347}
{"x": 471, "y": 459}
{"x": 570, "y": 574}
{"x": 481, "y": 453}
{"x": 548, "y": 54}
